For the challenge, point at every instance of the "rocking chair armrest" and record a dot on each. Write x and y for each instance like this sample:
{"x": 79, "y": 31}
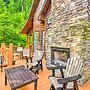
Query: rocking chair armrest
{"x": 66, "y": 80}
{"x": 69, "y": 79}
{"x": 57, "y": 82}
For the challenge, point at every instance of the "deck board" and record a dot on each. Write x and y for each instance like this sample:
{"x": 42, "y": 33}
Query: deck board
{"x": 43, "y": 82}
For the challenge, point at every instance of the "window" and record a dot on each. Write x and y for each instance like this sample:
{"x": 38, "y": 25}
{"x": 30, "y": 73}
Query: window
{"x": 36, "y": 40}
{"x": 50, "y": 19}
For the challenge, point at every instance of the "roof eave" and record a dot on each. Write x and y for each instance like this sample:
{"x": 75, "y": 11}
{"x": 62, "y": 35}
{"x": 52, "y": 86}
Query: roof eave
{"x": 29, "y": 23}
{"x": 44, "y": 9}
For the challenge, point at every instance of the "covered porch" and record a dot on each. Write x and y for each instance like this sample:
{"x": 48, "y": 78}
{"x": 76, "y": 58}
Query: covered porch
{"x": 43, "y": 82}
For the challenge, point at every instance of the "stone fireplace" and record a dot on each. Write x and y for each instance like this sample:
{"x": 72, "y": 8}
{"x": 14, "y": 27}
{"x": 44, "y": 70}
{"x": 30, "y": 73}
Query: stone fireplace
{"x": 70, "y": 29}
{"x": 58, "y": 53}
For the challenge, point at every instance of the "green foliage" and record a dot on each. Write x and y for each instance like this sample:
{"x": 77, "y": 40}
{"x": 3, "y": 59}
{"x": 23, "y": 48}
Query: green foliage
{"x": 12, "y": 19}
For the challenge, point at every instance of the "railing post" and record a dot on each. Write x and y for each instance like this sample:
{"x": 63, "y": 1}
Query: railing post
{"x": 3, "y": 51}
{"x": 10, "y": 54}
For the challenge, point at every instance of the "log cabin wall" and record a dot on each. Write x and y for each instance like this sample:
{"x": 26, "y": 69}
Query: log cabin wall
{"x": 48, "y": 27}
{"x": 38, "y": 26}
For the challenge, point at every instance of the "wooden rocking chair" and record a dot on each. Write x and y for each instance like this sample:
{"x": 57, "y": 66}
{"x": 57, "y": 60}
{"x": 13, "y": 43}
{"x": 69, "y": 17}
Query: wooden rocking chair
{"x": 71, "y": 75}
{"x": 36, "y": 62}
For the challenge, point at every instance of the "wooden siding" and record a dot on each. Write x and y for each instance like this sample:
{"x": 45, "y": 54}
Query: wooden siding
{"x": 29, "y": 24}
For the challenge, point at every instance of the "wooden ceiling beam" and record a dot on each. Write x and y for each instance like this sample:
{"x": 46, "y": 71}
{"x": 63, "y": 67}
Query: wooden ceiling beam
{"x": 44, "y": 9}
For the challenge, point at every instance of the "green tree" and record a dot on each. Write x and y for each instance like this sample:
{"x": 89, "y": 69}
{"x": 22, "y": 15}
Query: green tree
{"x": 12, "y": 19}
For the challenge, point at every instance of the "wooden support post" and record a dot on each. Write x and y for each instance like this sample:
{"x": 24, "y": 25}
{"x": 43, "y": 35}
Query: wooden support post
{"x": 28, "y": 41}
{"x": 10, "y": 54}
{"x": 3, "y": 49}
{"x": 32, "y": 44}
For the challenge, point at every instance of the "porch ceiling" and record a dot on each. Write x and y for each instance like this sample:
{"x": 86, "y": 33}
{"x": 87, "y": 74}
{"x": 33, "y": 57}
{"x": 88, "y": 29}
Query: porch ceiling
{"x": 29, "y": 23}
{"x": 27, "y": 27}
{"x": 44, "y": 9}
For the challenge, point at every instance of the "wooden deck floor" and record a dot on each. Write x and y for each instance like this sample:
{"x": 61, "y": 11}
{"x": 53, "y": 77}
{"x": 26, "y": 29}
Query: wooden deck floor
{"x": 43, "y": 82}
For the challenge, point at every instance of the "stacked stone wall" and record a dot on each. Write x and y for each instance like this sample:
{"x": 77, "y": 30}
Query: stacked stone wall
{"x": 69, "y": 29}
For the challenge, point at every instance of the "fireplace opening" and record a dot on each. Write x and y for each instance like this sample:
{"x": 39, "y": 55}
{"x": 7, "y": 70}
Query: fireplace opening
{"x": 60, "y": 54}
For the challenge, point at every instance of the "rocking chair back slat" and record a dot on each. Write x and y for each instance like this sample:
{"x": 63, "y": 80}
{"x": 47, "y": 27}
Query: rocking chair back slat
{"x": 80, "y": 64}
{"x": 73, "y": 67}
{"x": 37, "y": 62}
{"x": 38, "y": 55}
{"x": 68, "y": 68}
{"x": 26, "y": 52}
